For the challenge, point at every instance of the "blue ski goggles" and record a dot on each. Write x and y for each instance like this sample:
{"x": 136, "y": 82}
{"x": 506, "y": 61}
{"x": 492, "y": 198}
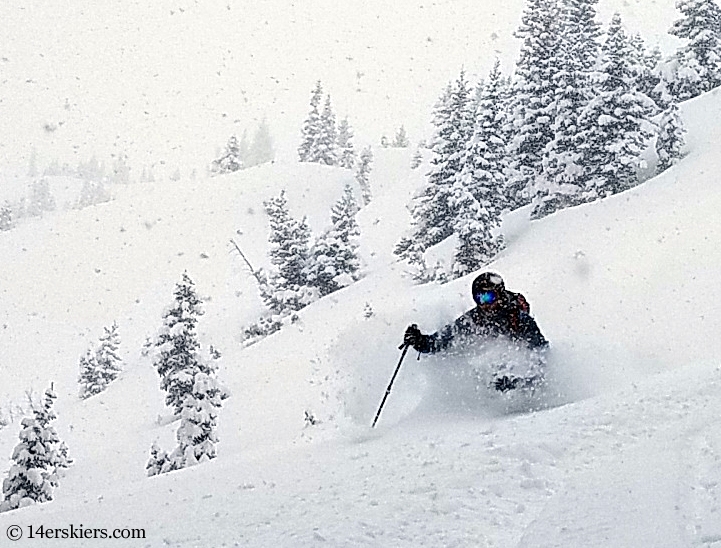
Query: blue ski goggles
{"x": 486, "y": 297}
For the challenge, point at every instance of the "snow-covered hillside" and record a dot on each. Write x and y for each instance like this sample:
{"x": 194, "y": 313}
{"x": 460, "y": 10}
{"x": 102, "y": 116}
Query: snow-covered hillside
{"x": 624, "y": 449}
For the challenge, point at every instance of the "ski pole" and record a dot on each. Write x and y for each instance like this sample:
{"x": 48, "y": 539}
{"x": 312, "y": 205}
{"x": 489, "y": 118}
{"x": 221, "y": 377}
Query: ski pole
{"x": 390, "y": 384}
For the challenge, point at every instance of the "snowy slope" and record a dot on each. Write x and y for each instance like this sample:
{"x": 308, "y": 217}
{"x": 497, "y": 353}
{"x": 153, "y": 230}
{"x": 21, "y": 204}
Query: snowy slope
{"x": 624, "y": 451}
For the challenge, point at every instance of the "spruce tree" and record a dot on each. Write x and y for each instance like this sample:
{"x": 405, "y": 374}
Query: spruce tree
{"x": 478, "y": 192}
{"x": 36, "y": 459}
{"x": 670, "y": 139}
{"x": 178, "y": 356}
{"x": 308, "y": 149}
{"x": 196, "y": 434}
{"x": 616, "y": 127}
{"x": 346, "y": 152}
{"x": 6, "y": 217}
{"x": 334, "y": 257}
{"x": 327, "y": 144}
{"x": 531, "y": 107}
{"x": 700, "y": 58}
{"x": 230, "y": 160}
{"x": 433, "y": 211}
{"x": 287, "y": 287}
{"x": 362, "y": 174}
{"x": 560, "y": 184}
{"x": 417, "y": 159}
{"x": 401, "y": 138}
{"x": 158, "y": 462}
{"x": 41, "y": 199}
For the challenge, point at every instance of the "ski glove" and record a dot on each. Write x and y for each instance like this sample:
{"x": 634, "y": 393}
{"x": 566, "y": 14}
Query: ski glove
{"x": 413, "y": 336}
{"x": 506, "y": 383}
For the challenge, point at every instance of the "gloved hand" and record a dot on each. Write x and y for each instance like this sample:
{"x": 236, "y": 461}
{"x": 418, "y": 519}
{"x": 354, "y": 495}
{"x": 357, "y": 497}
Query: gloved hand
{"x": 413, "y": 336}
{"x": 506, "y": 383}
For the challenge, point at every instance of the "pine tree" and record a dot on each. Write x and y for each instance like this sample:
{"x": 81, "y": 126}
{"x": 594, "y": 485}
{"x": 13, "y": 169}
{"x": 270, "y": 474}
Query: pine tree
{"x": 401, "y": 139}
{"x": 287, "y": 288}
{"x": 346, "y": 152}
{"x": 417, "y": 159}
{"x": 531, "y": 108}
{"x": 6, "y": 217}
{"x": 100, "y": 367}
{"x": 560, "y": 184}
{"x": 616, "y": 128}
{"x": 178, "y": 357}
{"x": 327, "y": 144}
{"x": 230, "y": 161}
{"x": 196, "y": 434}
{"x": 121, "y": 170}
{"x": 700, "y": 58}
{"x": 41, "y": 200}
{"x": 93, "y": 193}
{"x": 362, "y": 174}
{"x": 433, "y": 211}
{"x": 670, "y": 139}
{"x": 90, "y": 379}
{"x": 308, "y": 149}
{"x": 158, "y": 462}
{"x": 334, "y": 258}
{"x": 477, "y": 194}
{"x": 37, "y": 459}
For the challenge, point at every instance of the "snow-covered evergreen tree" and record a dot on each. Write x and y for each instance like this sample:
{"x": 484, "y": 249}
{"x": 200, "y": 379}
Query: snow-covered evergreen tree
{"x": 670, "y": 139}
{"x": 158, "y": 461}
{"x": 93, "y": 193}
{"x": 477, "y": 194}
{"x": 287, "y": 288}
{"x": 198, "y": 414}
{"x": 616, "y": 127}
{"x": 700, "y": 59}
{"x": 560, "y": 184}
{"x": 37, "y": 459}
{"x": 401, "y": 138}
{"x": 178, "y": 356}
{"x": 121, "y": 170}
{"x": 308, "y": 149}
{"x": 6, "y": 217}
{"x": 362, "y": 174}
{"x": 334, "y": 259}
{"x": 102, "y": 366}
{"x": 91, "y": 380}
{"x": 433, "y": 211}
{"x": 196, "y": 434}
{"x": 327, "y": 143}
{"x": 417, "y": 158}
{"x": 346, "y": 152}
{"x": 93, "y": 170}
{"x": 531, "y": 106}
{"x": 230, "y": 160}
{"x": 41, "y": 200}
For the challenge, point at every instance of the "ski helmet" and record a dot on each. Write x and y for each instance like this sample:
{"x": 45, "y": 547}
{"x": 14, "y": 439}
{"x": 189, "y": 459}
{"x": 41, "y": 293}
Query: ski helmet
{"x": 487, "y": 288}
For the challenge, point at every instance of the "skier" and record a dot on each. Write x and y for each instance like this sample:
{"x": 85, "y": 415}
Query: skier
{"x": 499, "y": 313}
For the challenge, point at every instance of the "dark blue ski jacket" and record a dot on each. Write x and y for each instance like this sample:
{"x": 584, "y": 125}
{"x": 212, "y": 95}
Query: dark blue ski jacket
{"x": 511, "y": 319}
